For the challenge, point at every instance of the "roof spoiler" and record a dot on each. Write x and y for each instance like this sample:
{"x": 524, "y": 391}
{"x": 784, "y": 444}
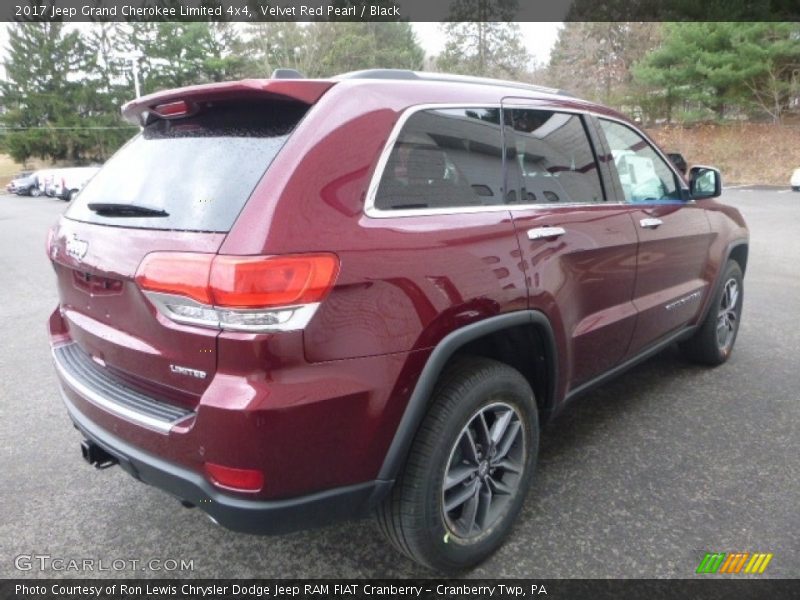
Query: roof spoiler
{"x": 307, "y": 91}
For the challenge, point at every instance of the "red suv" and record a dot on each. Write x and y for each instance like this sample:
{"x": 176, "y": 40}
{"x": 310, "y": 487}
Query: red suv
{"x": 290, "y": 301}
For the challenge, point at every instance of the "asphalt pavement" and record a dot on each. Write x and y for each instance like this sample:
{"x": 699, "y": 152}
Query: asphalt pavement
{"x": 639, "y": 478}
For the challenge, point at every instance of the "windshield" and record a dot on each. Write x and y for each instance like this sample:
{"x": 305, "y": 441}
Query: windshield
{"x": 200, "y": 170}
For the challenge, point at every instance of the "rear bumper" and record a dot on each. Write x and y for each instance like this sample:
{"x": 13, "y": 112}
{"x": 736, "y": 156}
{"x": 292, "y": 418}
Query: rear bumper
{"x": 248, "y": 516}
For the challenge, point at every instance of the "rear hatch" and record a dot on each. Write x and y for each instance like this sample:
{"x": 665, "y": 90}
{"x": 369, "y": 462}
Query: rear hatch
{"x": 177, "y": 186}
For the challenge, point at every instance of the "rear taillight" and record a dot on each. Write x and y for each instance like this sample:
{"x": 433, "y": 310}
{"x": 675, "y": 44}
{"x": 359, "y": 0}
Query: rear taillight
{"x": 244, "y": 293}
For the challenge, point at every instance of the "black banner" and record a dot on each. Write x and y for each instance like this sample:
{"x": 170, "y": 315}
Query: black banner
{"x": 701, "y": 588}
{"x": 399, "y": 10}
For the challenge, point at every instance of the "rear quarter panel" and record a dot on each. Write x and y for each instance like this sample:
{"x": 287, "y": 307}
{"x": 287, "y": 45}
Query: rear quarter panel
{"x": 405, "y": 282}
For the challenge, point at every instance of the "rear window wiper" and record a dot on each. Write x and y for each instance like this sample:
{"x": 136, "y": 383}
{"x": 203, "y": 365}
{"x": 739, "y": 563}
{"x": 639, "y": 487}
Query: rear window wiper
{"x": 111, "y": 209}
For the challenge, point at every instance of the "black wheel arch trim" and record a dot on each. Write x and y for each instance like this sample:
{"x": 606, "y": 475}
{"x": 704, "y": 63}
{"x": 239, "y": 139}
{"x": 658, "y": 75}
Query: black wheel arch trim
{"x": 718, "y": 278}
{"x": 419, "y": 401}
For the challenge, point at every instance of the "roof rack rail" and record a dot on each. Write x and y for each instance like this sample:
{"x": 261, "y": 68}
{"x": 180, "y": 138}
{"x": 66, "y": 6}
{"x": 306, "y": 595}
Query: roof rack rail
{"x": 405, "y": 74}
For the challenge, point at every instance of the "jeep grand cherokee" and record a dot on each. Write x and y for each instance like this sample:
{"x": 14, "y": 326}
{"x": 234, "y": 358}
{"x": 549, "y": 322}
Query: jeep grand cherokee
{"x": 289, "y": 301}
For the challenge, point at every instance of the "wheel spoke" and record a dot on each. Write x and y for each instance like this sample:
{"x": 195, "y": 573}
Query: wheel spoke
{"x": 483, "y": 432}
{"x": 471, "y": 510}
{"x": 508, "y": 440}
{"x": 458, "y": 474}
{"x": 467, "y": 443}
{"x": 508, "y": 466}
{"x": 499, "y": 487}
{"x": 484, "y": 504}
{"x": 460, "y": 496}
{"x": 500, "y": 425}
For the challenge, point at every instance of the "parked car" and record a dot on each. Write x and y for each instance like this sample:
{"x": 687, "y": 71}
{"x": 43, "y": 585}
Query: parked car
{"x": 29, "y": 186}
{"x": 18, "y": 181}
{"x": 795, "y": 180}
{"x": 68, "y": 182}
{"x": 286, "y": 306}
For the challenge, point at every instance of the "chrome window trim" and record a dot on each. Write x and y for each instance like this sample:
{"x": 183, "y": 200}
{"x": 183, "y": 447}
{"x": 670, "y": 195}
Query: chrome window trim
{"x": 371, "y": 211}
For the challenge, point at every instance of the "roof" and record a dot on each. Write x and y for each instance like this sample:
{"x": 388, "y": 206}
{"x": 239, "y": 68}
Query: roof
{"x": 406, "y": 75}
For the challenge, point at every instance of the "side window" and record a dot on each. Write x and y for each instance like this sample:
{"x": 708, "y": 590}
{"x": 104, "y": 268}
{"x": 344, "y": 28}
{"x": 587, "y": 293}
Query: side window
{"x": 445, "y": 158}
{"x": 643, "y": 174}
{"x": 555, "y": 160}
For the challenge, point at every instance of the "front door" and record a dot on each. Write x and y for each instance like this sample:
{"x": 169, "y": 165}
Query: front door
{"x": 672, "y": 278}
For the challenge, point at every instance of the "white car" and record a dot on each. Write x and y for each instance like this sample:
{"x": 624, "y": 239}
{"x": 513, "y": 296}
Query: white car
{"x": 795, "y": 180}
{"x": 68, "y": 182}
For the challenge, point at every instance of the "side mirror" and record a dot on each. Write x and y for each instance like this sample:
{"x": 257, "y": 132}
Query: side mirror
{"x": 705, "y": 182}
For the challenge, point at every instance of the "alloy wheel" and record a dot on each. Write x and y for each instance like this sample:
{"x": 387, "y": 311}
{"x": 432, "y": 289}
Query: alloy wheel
{"x": 727, "y": 316}
{"x": 484, "y": 471}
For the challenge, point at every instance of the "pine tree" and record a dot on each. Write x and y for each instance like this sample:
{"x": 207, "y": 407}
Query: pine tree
{"x": 42, "y": 103}
{"x": 725, "y": 68}
{"x": 482, "y": 40}
{"x": 176, "y": 54}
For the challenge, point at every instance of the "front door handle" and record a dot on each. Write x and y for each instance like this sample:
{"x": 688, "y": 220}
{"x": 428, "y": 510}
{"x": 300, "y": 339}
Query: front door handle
{"x": 650, "y": 223}
{"x": 540, "y": 233}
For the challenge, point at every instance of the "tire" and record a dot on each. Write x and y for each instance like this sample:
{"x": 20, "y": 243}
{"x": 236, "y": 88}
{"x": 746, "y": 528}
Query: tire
{"x": 71, "y": 195}
{"x": 473, "y": 395}
{"x": 713, "y": 342}
{"x": 34, "y": 191}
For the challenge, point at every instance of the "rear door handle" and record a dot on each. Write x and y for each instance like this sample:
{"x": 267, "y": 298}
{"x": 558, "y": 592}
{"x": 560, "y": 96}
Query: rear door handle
{"x": 540, "y": 233}
{"x": 650, "y": 223}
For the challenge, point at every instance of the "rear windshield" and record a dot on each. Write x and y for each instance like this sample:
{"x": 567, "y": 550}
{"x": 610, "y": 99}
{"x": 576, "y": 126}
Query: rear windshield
{"x": 199, "y": 170}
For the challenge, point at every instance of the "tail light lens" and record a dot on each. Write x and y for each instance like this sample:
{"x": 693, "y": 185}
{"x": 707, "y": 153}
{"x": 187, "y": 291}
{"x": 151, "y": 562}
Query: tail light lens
{"x": 245, "y": 293}
{"x": 183, "y": 274}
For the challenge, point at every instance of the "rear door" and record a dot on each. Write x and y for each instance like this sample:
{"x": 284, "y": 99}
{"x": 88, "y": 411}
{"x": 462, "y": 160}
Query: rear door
{"x": 674, "y": 236}
{"x": 193, "y": 173}
{"x": 578, "y": 248}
